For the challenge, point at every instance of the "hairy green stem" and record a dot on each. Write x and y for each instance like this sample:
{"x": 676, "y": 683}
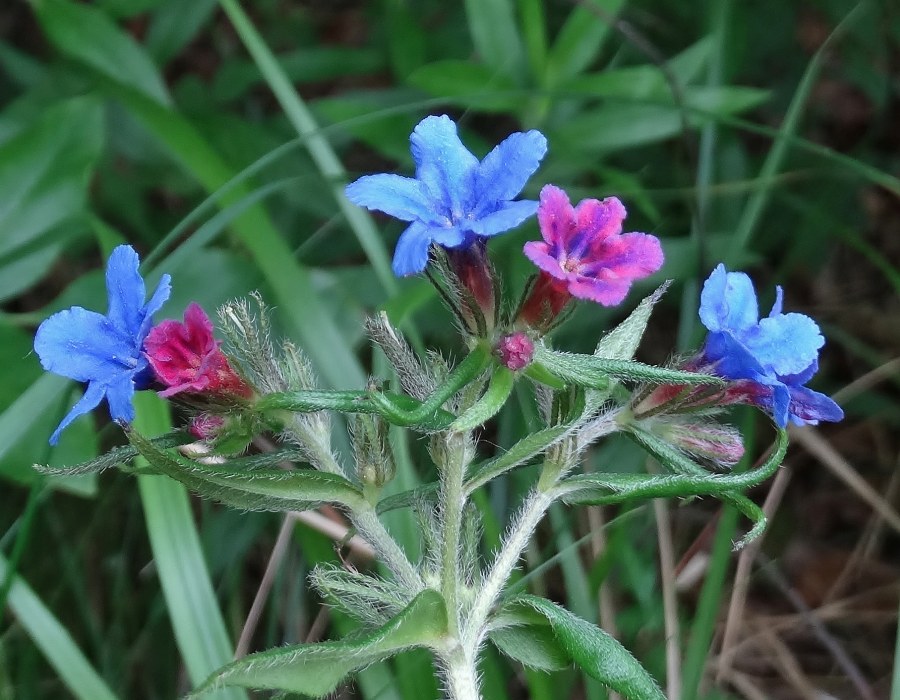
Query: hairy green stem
{"x": 371, "y": 529}
{"x": 460, "y": 671}
{"x": 452, "y": 500}
{"x": 530, "y": 514}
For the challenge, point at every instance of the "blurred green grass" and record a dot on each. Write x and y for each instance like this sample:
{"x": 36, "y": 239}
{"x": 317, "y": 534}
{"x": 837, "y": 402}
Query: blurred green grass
{"x": 217, "y": 142}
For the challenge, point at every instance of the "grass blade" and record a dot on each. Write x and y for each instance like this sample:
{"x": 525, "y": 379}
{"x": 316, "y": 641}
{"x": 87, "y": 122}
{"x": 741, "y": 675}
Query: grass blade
{"x": 54, "y": 641}
{"x": 319, "y": 149}
{"x": 754, "y": 209}
{"x": 193, "y": 610}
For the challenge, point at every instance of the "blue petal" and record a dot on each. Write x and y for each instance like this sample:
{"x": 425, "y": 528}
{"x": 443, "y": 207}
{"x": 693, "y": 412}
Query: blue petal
{"x": 505, "y": 170}
{"x": 808, "y": 406}
{"x": 732, "y": 360}
{"x": 443, "y": 164}
{"x": 84, "y": 345}
{"x": 126, "y": 291}
{"x": 779, "y": 302}
{"x": 92, "y": 396}
{"x": 781, "y": 399}
{"x": 508, "y": 216}
{"x": 160, "y": 295}
{"x": 728, "y": 302}
{"x": 787, "y": 343}
{"x": 401, "y": 197}
{"x": 801, "y": 377}
{"x": 411, "y": 253}
{"x": 119, "y": 395}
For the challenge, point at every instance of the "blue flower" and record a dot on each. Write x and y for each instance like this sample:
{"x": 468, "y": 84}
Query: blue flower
{"x": 104, "y": 351}
{"x": 454, "y": 198}
{"x": 775, "y": 356}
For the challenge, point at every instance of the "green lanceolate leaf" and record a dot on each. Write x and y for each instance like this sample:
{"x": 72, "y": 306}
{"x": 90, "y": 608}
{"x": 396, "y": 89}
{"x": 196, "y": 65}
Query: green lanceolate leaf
{"x": 674, "y": 459}
{"x": 596, "y": 652}
{"x": 276, "y": 490}
{"x": 369, "y": 599}
{"x": 317, "y": 669}
{"x": 115, "y": 457}
{"x": 91, "y": 37}
{"x": 520, "y": 453}
{"x": 622, "y": 341}
{"x": 405, "y": 499}
{"x": 534, "y": 646}
{"x": 597, "y": 372}
{"x": 498, "y": 391}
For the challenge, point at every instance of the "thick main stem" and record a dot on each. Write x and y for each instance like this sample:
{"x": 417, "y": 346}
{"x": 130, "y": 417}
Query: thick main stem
{"x": 460, "y": 671}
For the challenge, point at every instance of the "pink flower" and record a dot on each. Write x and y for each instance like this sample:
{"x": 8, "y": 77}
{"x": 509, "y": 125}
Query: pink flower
{"x": 186, "y": 358}
{"x": 584, "y": 250}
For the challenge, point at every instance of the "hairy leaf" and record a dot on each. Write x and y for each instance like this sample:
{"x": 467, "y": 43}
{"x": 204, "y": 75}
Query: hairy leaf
{"x": 276, "y": 490}
{"x": 115, "y": 457}
{"x": 596, "y": 652}
{"x": 596, "y": 372}
{"x": 534, "y": 646}
{"x": 498, "y": 391}
{"x": 622, "y": 341}
{"x": 317, "y": 669}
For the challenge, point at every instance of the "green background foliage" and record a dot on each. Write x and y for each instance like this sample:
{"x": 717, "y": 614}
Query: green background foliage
{"x": 216, "y": 138}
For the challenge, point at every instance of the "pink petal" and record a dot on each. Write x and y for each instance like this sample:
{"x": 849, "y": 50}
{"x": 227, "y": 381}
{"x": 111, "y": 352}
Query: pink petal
{"x": 605, "y": 292}
{"x": 539, "y": 254}
{"x": 600, "y": 220}
{"x": 556, "y": 216}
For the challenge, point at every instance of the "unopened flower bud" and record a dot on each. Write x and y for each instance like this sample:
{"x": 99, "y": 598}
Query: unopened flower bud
{"x": 226, "y": 434}
{"x": 186, "y": 358}
{"x": 206, "y": 426}
{"x": 374, "y": 460}
{"x": 515, "y": 350}
{"x": 719, "y": 443}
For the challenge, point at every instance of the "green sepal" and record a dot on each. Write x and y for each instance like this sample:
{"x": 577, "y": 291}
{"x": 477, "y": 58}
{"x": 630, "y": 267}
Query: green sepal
{"x": 542, "y": 375}
{"x": 116, "y": 456}
{"x": 317, "y": 669}
{"x": 596, "y": 652}
{"x": 269, "y": 490}
{"x": 498, "y": 391}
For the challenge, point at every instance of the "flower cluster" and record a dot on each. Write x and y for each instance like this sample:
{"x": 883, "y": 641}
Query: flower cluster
{"x": 122, "y": 352}
{"x": 457, "y": 202}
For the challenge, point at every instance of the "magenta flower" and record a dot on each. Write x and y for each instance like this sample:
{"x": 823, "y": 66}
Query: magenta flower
{"x": 186, "y": 358}
{"x": 585, "y": 251}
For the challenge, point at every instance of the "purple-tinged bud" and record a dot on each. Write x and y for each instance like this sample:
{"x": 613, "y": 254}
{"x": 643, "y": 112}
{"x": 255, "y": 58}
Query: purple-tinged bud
{"x": 719, "y": 443}
{"x": 206, "y": 426}
{"x": 515, "y": 350}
